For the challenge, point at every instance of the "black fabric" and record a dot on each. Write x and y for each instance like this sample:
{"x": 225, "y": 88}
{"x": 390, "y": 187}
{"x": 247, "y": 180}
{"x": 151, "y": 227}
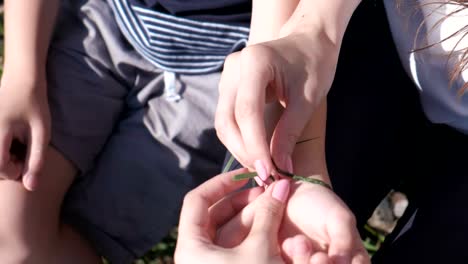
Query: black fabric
{"x": 375, "y": 124}
{"x": 378, "y": 139}
{"x": 235, "y": 12}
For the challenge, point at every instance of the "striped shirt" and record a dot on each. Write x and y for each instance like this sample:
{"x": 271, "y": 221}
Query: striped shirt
{"x": 176, "y": 44}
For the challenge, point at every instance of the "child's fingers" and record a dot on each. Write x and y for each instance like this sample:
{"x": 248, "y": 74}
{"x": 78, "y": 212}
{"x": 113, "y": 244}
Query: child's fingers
{"x": 233, "y": 232}
{"x": 5, "y": 143}
{"x": 320, "y": 258}
{"x": 342, "y": 231}
{"x": 361, "y": 257}
{"x": 297, "y": 250}
{"x": 9, "y": 169}
{"x": 35, "y": 157}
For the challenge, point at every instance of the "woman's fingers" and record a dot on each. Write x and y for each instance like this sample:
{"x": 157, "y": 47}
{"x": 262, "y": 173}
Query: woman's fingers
{"x": 225, "y": 123}
{"x": 227, "y": 208}
{"x": 297, "y": 249}
{"x": 194, "y": 220}
{"x": 10, "y": 168}
{"x": 266, "y": 211}
{"x": 35, "y": 157}
{"x": 257, "y": 72}
{"x": 269, "y": 211}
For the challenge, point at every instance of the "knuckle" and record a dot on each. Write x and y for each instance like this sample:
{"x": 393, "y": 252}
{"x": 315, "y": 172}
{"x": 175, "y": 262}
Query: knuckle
{"x": 349, "y": 219}
{"x": 258, "y": 59}
{"x": 269, "y": 207}
{"x": 220, "y": 127}
{"x": 255, "y": 55}
{"x": 231, "y": 60}
{"x": 187, "y": 198}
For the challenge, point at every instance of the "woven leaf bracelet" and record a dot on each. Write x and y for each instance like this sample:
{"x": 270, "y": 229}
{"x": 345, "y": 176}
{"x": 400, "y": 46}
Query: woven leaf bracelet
{"x": 251, "y": 175}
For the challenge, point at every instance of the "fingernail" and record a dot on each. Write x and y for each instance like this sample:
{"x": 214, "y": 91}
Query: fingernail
{"x": 28, "y": 181}
{"x": 289, "y": 164}
{"x": 258, "y": 181}
{"x": 261, "y": 170}
{"x": 281, "y": 190}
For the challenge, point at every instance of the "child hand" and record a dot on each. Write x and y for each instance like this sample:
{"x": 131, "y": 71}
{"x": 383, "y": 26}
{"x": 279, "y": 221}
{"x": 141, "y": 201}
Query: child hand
{"x": 24, "y": 129}
{"x": 205, "y": 210}
{"x": 317, "y": 227}
{"x": 327, "y": 222}
{"x": 297, "y": 71}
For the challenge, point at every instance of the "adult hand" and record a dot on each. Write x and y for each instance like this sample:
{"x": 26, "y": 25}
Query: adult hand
{"x": 205, "y": 210}
{"x": 24, "y": 128}
{"x": 288, "y": 70}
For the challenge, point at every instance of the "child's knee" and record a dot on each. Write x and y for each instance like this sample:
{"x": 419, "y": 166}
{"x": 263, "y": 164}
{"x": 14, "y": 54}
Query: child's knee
{"x": 17, "y": 248}
{"x": 29, "y": 225}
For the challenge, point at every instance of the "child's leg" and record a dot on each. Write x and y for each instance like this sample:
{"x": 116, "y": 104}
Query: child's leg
{"x": 138, "y": 152}
{"x": 30, "y": 229}
{"x": 158, "y": 151}
{"x": 86, "y": 98}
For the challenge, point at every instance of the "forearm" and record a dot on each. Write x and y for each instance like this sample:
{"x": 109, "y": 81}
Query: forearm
{"x": 268, "y": 16}
{"x": 328, "y": 16}
{"x": 28, "y": 29}
{"x": 272, "y": 19}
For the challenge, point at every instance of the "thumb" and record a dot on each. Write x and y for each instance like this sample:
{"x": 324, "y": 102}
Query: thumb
{"x": 35, "y": 158}
{"x": 269, "y": 212}
{"x": 287, "y": 132}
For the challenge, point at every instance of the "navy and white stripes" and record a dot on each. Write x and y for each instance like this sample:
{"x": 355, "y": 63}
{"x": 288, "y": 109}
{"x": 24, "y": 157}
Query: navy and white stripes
{"x": 177, "y": 44}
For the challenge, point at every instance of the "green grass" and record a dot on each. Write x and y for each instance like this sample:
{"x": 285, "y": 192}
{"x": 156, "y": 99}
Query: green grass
{"x": 162, "y": 252}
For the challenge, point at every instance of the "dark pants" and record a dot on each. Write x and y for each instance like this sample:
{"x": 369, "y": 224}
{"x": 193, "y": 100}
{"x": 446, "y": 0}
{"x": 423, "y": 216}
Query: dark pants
{"x": 378, "y": 139}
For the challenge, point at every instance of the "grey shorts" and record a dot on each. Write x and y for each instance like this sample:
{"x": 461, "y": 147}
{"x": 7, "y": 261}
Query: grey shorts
{"x": 138, "y": 153}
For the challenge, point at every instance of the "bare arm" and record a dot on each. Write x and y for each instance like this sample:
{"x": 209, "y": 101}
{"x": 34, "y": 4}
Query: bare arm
{"x": 28, "y": 28}
{"x": 278, "y": 18}
{"x": 291, "y": 59}
{"x": 24, "y": 111}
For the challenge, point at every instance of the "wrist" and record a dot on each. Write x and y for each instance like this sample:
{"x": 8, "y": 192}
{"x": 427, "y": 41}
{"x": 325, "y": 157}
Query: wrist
{"x": 27, "y": 76}
{"x": 309, "y": 160}
{"x": 328, "y": 19}
{"x": 315, "y": 181}
{"x": 312, "y": 42}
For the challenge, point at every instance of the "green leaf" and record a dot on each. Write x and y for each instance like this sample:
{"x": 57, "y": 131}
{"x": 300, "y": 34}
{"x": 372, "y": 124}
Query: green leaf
{"x": 243, "y": 176}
